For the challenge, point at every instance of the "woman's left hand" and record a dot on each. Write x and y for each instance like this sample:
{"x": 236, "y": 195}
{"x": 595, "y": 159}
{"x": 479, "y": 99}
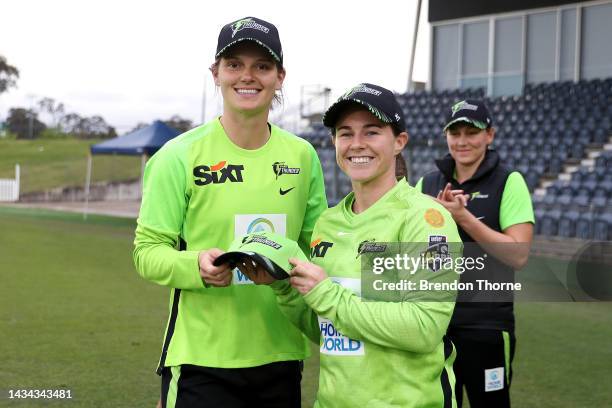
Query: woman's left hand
{"x": 305, "y": 275}
{"x": 454, "y": 201}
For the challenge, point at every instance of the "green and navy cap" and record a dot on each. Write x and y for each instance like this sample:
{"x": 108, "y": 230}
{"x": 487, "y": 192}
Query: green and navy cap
{"x": 250, "y": 29}
{"x": 268, "y": 249}
{"x": 470, "y": 111}
{"x": 379, "y": 101}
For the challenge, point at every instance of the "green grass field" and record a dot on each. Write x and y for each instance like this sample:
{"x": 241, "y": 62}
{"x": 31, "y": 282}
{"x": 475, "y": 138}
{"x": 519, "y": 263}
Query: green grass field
{"x": 74, "y": 314}
{"x": 46, "y": 164}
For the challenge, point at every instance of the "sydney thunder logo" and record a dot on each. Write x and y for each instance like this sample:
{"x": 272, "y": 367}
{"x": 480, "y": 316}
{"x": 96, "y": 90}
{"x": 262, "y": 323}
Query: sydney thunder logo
{"x": 364, "y": 89}
{"x": 369, "y": 246}
{"x": 281, "y": 168}
{"x": 247, "y": 23}
{"x": 463, "y": 105}
{"x": 260, "y": 239}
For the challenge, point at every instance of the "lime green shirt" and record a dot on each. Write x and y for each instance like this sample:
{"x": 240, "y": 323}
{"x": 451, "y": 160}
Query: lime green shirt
{"x": 202, "y": 188}
{"x": 376, "y": 353}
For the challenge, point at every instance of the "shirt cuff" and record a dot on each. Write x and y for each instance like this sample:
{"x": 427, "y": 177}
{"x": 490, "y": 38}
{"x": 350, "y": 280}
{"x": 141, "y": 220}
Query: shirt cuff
{"x": 189, "y": 270}
{"x": 317, "y": 295}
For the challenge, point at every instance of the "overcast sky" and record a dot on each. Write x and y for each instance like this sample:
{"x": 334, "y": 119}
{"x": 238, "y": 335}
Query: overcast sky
{"x": 135, "y": 62}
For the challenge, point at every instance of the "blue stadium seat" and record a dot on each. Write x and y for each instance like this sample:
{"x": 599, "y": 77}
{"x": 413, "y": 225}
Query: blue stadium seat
{"x": 537, "y": 200}
{"x": 515, "y": 154}
{"x": 550, "y": 221}
{"x": 523, "y": 165}
{"x": 580, "y": 174}
{"x": 531, "y": 154}
{"x": 565, "y": 199}
{"x": 575, "y": 184}
{"x": 537, "y": 143}
{"x": 555, "y": 165}
{"x": 567, "y": 223}
{"x": 525, "y": 144}
{"x": 605, "y": 186}
{"x": 507, "y": 140}
{"x": 577, "y": 150}
{"x": 538, "y": 168}
{"x": 602, "y": 227}
{"x": 608, "y": 156}
{"x": 600, "y": 136}
{"x": 546, "y": 155}
{"x": 532, "y": 179}
{"x": 539, "y": 214}
{"x": 580, "y": 199}
{"x": 590, "y": 181}
{"x": 584, "y": 225}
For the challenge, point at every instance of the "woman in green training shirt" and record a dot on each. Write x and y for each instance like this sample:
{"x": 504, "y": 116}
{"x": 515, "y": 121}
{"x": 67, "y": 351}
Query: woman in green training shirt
{"x": 233, "y": 175}
{"x": 373, "y": 353}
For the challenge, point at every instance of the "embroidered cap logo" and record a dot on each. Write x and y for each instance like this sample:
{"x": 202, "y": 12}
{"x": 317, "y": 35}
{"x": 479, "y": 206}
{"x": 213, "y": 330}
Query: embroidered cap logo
{"x": 462, "y": 105}
{"x": 247, "y": 23}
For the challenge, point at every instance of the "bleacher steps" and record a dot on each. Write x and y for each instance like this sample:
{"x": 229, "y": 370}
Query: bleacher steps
{"x": 588, "y": 163}
{"x": 540, "y": 191}
{"x": 572, "y": 165}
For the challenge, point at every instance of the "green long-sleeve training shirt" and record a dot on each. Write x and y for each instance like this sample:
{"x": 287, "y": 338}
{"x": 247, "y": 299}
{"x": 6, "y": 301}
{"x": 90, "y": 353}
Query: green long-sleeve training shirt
{"x": 376, "y": 353}
{"x": 203, "y": 188}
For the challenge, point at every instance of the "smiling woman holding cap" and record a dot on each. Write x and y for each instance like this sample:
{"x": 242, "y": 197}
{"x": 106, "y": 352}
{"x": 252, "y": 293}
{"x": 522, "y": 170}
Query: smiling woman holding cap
{"x": 373, "y": 353}
{"x": 233, "y": 175}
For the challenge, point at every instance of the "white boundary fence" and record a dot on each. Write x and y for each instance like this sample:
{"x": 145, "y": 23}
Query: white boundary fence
{"x": 9, "y": 188}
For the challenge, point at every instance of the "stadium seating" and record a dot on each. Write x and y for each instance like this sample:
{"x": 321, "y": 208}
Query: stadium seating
{"x": 538, "y": 133}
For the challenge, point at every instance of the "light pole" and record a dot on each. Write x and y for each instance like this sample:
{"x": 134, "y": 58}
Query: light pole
{"x": 31, "y": 117}
{"x": 204, "y": 99}
{"x": 410, "y": 87}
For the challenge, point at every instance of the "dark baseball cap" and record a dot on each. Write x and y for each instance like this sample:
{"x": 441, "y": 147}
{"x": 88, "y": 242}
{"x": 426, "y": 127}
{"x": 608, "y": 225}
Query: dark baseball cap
{"x": 268, "y": 249}
{"x": 379, "y": 101}
{"x": 471, "y": 111}
{"x": 250, "y": 29}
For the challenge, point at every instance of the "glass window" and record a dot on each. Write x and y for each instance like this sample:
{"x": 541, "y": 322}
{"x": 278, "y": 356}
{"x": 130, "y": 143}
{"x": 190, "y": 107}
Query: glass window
{"x": 568, "y": 45}
{"x": 446, "y": 56}
{"x": 541, "y": 47}
{"x": 475, "y": 49}
{"x": 596, "y": 54}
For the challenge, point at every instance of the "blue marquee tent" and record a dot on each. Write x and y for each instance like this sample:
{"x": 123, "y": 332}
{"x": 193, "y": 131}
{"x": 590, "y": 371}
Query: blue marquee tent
{"x": 145, "y": 141}
{"x": 142, "y": 142}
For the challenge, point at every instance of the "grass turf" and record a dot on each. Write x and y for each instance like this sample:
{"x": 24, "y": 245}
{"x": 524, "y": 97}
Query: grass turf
{"x": 46, "y": 164}
{"x": 74, "y": 314}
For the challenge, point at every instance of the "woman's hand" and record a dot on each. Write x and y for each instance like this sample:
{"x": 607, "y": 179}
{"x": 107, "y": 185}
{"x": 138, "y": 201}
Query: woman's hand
{"x": 305, "y": 275}
{"x": 454, "y": 201}
{"x": 214, "y": 275}
{"x": 255, "y": 272}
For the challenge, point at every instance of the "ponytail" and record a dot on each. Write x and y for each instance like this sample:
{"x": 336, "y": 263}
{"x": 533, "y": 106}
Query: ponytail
{"x": 401, "y": 170}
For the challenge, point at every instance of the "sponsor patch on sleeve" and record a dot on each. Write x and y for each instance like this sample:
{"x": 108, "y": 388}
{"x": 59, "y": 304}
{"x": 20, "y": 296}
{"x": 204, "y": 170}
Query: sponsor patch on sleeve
{"x": 437, "y": 252}
{"x": 434, "y": 218}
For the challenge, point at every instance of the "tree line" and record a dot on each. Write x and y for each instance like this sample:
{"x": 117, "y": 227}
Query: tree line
{"x": 26, "y": 123}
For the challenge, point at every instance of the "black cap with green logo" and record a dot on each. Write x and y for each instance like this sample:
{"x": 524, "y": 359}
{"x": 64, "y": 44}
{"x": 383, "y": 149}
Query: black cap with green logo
{"x": 470, "y": 111}
{"x": 250, "y": 29}
{"x": 380, "y": 101}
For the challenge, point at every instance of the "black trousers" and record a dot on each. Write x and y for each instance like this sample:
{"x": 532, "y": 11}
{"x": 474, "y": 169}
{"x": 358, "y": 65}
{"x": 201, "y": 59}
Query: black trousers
{"x": 483, "y": 366}
{"x": 268, "y": 386}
